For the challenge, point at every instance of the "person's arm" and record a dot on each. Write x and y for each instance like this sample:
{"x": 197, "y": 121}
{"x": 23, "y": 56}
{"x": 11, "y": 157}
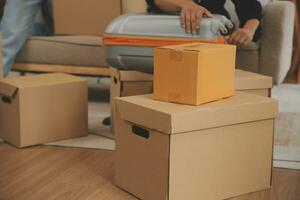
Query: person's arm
{"x": 249, "y": 13}
{"x": 191, "y": 13}
{"x": 242, "y": 36}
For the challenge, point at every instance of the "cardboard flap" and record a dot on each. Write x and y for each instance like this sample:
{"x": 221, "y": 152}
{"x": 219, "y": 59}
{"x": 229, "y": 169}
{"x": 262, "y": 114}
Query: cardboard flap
{"x": 190, "y": 47}
{"x": 42, "y": 80}
{"x": 173, "y": 118}
{"x": 7, "y": 90}
{"x": 135, "y": 76}
{"x": 196, "y": 47}
{"x": 248, "y": 80}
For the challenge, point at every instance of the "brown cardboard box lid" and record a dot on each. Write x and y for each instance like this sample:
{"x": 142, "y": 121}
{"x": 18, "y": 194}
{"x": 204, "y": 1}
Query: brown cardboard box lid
{"x": 128, "y": 76}
{"x": 7, "y": 89}
{"x": 135, "y": 76}
{"x": 170, "y": 118}
{"x": 8, "y": 85}
{"x": 248, "y": 80}
{"x": 243, "y": 79}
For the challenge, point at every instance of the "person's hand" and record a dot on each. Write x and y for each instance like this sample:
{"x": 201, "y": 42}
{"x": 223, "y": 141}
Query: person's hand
{"x": 241, "y": 37}
{"x": 191, "y": 16}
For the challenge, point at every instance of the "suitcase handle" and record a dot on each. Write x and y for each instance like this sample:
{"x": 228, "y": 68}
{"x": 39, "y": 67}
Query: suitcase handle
{"x": 222, "y": 25}
{"x": 139, "y": 131}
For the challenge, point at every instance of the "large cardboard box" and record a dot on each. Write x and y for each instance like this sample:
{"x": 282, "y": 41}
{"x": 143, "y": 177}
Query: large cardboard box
{"x": 42, "y": 108}
{"x": 130, "y": 83}
{"x": 215, "y": 151}
{"x": 88, "y": 17}
{"x": 194, "y": 73}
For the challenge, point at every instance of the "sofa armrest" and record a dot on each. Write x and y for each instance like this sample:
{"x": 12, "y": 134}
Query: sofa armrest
{"x": 277, "y": 40}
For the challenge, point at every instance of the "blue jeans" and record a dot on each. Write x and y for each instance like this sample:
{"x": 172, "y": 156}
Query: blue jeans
{"x": 16, "y": 26}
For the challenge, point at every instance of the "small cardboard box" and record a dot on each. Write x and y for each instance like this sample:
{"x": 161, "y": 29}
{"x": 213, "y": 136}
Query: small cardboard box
{"x": 219, "y": 150}
{"x": 88, "y": 17}
{"x": 42, "y": 108}
{"x": 194, "y": 73}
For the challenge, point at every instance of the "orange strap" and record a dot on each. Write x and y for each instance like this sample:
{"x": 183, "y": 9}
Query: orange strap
{"x": 144, "y": 41}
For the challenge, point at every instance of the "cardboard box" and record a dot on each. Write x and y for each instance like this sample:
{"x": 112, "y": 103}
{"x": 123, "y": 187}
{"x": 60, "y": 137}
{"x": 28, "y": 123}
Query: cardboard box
{"x": 42, "y": 108}
{"x": 253, "y": 83}
{"x": 215, "y": 151}
{"x": 194, "y": 73}
{"x": 130, "y": 83}
{"x": 89, "y": 17}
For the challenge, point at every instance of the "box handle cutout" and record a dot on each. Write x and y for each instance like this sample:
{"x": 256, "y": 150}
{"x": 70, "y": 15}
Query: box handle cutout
{"x": 6, "y": 99}
{"x": 115, "y": 80}
{"x": 140, "y": 132}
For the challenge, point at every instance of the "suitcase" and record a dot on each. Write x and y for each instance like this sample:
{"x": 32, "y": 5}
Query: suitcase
{"x": 130, "y": 39}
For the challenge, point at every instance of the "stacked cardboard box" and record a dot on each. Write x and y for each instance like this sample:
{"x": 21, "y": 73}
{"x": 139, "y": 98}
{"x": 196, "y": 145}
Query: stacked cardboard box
{"x": 127, "y": 83}
{"x": 192, "y": 74}
{"x": 130, "y": 83}
{"x": 212, "y": 151}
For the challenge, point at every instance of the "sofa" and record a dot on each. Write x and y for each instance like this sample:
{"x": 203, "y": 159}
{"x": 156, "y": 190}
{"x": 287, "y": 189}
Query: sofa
{"x": 84, "y": 55}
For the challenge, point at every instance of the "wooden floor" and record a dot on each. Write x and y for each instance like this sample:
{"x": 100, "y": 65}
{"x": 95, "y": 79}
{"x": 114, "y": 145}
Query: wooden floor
{"x": 42, "y": 173}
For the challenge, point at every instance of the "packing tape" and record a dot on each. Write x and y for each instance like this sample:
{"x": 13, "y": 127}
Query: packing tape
{"x": 174, "y": 97}
{"x": 176, "y": 55}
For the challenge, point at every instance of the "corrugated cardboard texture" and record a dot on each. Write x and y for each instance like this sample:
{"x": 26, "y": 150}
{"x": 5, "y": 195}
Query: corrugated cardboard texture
{"x": 45, "y": 108}
{"x": 191, "y": 74}
{"x": 141, "y": 165}
{"x": 89, "y": 17}
{"x": 171, "y": 118}
{"x": 221, "y": 163}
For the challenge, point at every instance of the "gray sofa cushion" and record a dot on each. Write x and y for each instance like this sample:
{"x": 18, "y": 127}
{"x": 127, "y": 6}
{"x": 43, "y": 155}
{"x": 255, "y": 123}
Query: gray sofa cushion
{"x": 88, "y": 51}
{"x": 64, "y": 50}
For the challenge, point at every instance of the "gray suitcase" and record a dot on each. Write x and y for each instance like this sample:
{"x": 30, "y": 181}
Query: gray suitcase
{"x": 130, "y": 39}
